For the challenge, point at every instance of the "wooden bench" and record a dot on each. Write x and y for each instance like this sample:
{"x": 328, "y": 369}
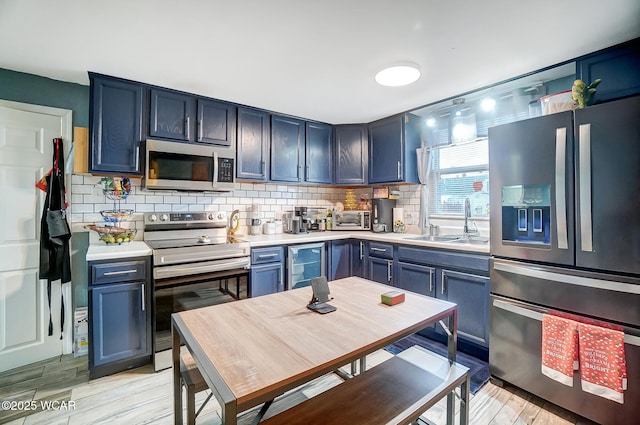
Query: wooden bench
{"x": 396, "y": 391}
{"x": 194, "y": 383}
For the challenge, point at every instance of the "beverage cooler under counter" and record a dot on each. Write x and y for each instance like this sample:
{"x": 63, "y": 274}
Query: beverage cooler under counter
{"x": 304, "y": 262}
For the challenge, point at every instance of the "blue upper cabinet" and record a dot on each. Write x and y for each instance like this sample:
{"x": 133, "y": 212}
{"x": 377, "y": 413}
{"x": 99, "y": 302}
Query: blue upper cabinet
{"x": 392, "y": 149}
{"x": 253, "y": 144}
{"x": 318, "y": 153}
{"x": 172, "y": 115}
{"x": 116, "y": 125}
{"x": 216, "y": 123}
{"x": 618, "y": 67}
{"x": 350, "y": 160}
{"x": 184, "y": 117}
{"x": 287, "y": 149}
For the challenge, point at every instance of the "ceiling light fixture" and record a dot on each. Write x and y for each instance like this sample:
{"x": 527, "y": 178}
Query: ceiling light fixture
{"x": 488, "y": 104}
{"x": 396, "y": 76}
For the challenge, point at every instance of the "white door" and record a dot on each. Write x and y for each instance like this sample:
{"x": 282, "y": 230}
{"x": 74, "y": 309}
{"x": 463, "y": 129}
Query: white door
{"x": 26, "y": 149}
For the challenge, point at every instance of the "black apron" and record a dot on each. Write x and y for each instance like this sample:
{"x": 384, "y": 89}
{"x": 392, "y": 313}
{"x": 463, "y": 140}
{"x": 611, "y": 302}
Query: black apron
{"x": 55, "y": 260}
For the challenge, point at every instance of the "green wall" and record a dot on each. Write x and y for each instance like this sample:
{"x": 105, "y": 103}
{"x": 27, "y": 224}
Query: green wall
{"x": 29, "y": 88}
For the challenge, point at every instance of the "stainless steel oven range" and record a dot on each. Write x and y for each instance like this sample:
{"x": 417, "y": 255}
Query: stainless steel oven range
{"x": 195, "y": 264}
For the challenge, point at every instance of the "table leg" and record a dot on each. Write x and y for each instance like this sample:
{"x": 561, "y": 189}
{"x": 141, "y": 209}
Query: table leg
{"x": 177, "y": 386}
{"x": 363, "y": 363}
{"x": 452, "y": 338}
{"x": 464, "y": 402}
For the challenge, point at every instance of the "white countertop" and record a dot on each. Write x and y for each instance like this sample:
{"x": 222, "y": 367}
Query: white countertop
{"x": 403, "y": 238}
{"x": 102, "y": 251}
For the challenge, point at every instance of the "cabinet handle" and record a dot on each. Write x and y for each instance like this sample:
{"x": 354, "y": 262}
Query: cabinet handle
{"x": 200, "y": 131}
{"x": 120, "y": 272}
{"x": 442, "y": 290}
{"x": 188, "y": 125}
{"x": 398, "y": 170}
{"x": 307, "y": 171}
{"x": 143, "y": 303}
{"x": 298, "y": 173}
{"x": 138, "y": 158}
{"x": 378, "y": 249}
{"x": 430, "y": 280}
{"x": 268, "y": 255}
{"x": 361, "y": 250}
{"x": 262, "y": 167}
{"x": 389, "y": 271}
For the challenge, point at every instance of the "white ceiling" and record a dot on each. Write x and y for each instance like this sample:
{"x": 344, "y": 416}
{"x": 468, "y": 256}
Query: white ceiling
{"x": 313, "y": 59}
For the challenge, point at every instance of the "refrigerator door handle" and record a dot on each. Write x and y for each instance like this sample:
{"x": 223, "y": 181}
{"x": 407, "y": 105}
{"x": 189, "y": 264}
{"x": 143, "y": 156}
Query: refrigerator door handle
{"x": 569, "y": 279}
{"x": 537, "y": 315}
{"x": 584, "y": 167}
{"x": 561, "y": 196}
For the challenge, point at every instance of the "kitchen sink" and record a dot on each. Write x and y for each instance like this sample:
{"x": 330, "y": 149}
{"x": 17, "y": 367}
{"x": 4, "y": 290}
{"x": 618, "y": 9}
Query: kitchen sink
{"x": 435, "y": 238}
{"x": 473, "y": 240}
{"x": 461, "y": 239}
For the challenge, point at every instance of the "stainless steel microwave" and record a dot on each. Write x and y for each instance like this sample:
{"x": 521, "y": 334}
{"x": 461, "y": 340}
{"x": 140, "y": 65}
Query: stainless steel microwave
{"x": 352, "y": 220}
{"x": 188, "y": 167}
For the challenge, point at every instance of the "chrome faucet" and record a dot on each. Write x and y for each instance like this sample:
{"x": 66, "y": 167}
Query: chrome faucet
{"x": 467, "y": 216}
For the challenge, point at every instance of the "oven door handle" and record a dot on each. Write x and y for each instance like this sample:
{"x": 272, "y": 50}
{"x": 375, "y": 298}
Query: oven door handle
{"x": 538, "y": 273}
{"x": 537, "y": 315}
{"x": 191, "y": 269}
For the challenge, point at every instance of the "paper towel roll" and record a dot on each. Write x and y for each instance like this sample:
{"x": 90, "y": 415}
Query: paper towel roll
{"x": 398, "y": 214}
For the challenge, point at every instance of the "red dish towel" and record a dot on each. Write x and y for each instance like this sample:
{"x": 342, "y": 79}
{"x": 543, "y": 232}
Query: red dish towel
{"x": 559, "y": 348}
{"x": 603, "y": 368}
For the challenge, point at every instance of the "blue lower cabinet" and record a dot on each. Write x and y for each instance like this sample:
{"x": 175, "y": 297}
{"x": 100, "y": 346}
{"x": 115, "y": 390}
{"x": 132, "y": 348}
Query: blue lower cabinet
{"x": 120, "y": 324}
{"x": 380, "y": 270}
{"x": 471, "y": 293}
{"x": 266, "y": 279}
{"x": 339, "y": 260}
{"x": 119, "y": 315}
{"x": 415, "y": 278}
{"x": 267, "y": 271}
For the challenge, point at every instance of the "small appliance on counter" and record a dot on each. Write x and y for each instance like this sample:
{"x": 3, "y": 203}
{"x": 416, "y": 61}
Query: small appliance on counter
{"x": 292, "y": 223}
{"x": 255, "y": 221}
{"x": 383, "y": 215}
{"x": 352, "y": 220}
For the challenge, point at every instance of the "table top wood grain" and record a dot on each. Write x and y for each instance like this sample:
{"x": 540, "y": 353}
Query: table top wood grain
{"x": 255, "y": 349}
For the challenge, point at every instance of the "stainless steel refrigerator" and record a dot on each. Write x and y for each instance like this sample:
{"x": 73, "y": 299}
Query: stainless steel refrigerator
{"x": 565, "y": 237}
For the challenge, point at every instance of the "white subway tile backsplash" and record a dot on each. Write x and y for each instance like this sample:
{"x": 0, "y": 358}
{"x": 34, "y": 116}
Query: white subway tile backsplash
{"x": 179, "y": 208}
{"x": 82, "y": 208}
{"x": 187, "y": 200}
{"x": 148, "y": 208}
{"x": 168, "y": 199}
{"x": 153, "y": 199}
{"x": 88, "y": 200}
{"x": 82, "y": 189}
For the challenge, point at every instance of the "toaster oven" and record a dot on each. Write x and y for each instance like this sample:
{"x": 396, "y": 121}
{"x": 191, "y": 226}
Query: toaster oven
{"x": 352, "y": 220}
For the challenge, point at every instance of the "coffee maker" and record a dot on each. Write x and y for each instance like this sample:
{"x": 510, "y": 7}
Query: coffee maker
{"x": 383, "y": 215}
{"x": 301, "y": 213}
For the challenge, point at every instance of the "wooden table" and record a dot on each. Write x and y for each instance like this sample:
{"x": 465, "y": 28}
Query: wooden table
{"x": 251, "y": 351}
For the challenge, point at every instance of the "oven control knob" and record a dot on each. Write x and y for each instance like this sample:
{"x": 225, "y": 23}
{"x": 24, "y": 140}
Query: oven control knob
{"x": 211, "y": 216}
{"x": 164, "y": 217}
{"x": 153, "y": 217}
{"x": 221, "y": 216}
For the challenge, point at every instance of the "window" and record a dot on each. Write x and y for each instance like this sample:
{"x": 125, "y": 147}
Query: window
{"x": 460, "y": 171}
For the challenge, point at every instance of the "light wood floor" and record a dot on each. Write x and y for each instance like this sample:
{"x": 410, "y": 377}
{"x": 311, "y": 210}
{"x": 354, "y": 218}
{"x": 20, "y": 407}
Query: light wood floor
{"x": 141, "y": 396}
